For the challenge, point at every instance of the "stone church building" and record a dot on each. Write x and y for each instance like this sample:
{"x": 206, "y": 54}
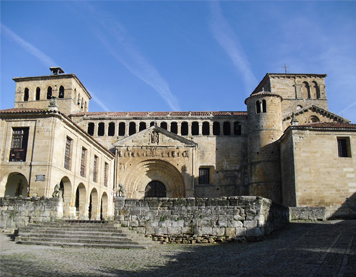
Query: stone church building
{"x": 287, "y": 146}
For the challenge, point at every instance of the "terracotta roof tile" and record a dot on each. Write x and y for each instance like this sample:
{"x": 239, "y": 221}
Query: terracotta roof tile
{"x": 22, "y": 110}
{"x": 158, "y": 113}
{"x": 329, "y": 125}
{"x": 179, "y": 113}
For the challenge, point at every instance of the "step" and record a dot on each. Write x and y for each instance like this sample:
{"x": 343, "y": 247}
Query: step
{"x": 92, "y": 245}
{"x": 78, "y": 234}
{"x": 91, "y": 231}
{"x": 76, "y": 240}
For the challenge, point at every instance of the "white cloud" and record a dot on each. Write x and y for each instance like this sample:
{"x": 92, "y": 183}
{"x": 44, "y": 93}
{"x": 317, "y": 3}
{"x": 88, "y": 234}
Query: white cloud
{"x": 116, "y": 39}
{"x": 227, "y": 39}
{"x": 47, "y": 61}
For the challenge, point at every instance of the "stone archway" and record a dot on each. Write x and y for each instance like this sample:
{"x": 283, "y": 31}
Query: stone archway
{"x": 94, "y": 207}
{"x": 104, "y": 207}
{"x": 65, "y": 187}
{"x": 16, "y": 185}
{"x": 138, "y": 176}
{"x": 80, "y": 202}
{"x": 155, "y": 189}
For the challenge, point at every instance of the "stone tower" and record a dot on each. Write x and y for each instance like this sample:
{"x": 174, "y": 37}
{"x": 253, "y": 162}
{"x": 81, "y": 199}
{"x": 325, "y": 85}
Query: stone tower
{"x": 36, "y": 92}
{"x": 265, "y": 128}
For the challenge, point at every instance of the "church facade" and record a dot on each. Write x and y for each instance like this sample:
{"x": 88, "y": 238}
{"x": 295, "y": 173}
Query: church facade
{"x": 287, "y": 146}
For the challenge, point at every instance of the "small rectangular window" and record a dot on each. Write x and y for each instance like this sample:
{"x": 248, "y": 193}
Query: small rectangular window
{"x": 19, "y": 145}
{"x": 106, "y": 169}
{"x": 83, "y": 162}
{"x": 204, "y": 176}
{"x": 67, "y": 159}
{"x": 95, "y": 169}
{"x": 344, "y": 149}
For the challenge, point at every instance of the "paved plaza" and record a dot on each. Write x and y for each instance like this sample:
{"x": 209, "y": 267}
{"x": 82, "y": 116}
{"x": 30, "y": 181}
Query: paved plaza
{"x": 299, "y": 249}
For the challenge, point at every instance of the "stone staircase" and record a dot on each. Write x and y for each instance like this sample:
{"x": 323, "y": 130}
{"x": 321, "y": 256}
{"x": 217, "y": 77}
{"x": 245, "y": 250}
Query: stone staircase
{"x": 82, "y": 233}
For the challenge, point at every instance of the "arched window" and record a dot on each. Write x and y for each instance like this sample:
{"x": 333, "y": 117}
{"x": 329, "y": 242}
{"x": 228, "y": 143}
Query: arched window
{"x": 305, "y": 91}
{"x": 38, "y": 94}
{"x": 264, "y": 106}
{"x": 258, "y": 106}
{"x": 314, "y": 119}
{"x": 26, "y": 95}
{"x": 206, "y": 128}
{"x": 195, "y": 128}
{"x": 111, "y": 130}
{"x": 49, "y": 92}
{"x": 85, "y": 106}
{"x": 155, "y": 189}
{"x": 227, "y": 128}
{"x": 81, "y": 104}
{"x": 78, "y": 99}
{"x": 91, "y": 128}
{"x": 237, "y": 128}
{"x": 132, "y": 128}
{"x": 122, "y": 128}
{"x": 101, "y": 129}
{"x": 164, "y": 125}
{"x": 314, "y": 91}
{"x": 61, "y": 92}
{"x": 216, "y": 128}
{"x": 142, "y": 126}
{"x": 184, "y": 129}
{"x": 174, "y": 127}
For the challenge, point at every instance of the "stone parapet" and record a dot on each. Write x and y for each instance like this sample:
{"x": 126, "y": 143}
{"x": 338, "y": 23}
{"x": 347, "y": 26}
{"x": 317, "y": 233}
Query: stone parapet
{"x": 194, "y": 220}
{"x": 16, "y": 212}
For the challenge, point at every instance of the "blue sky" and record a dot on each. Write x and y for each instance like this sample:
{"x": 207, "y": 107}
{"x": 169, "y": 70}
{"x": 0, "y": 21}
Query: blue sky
{"x": 180, "y": 55}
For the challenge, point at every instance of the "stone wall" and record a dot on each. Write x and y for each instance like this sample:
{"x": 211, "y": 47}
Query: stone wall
{"x": 194, "y": 220}
{"x": 17, "y": 212}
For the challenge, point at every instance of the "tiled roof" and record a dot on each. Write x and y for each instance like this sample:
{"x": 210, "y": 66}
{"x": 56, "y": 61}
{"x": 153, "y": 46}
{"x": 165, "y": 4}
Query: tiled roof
{"x": 21, "y": 110}
{"x": 333, "y": 125}
{"x": 161, "y": 114}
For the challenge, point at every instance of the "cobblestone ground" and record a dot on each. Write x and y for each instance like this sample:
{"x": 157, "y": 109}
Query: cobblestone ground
{"x": 299, "y": 249}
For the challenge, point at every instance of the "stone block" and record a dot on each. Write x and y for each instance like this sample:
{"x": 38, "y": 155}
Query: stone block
{"x": 255, "y": 232}
{"x": 230, "y": 232}
{"x": 250, "y": 224}
{"x": 218, "y": 231}
{"x": 174, "y": 230}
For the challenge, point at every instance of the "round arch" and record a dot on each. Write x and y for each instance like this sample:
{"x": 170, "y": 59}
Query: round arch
{"x": 104, "y": 206}
{"x": 16, "y": 185}
{"x": 139, "y": 175}
{"x": 65, "y": 187}
{"x": 80, "y": 202}
{"x": 94, "y": 207}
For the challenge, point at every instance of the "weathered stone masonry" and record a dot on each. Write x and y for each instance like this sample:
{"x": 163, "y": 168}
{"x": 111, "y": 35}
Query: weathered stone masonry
{"x": 190, "y": 220}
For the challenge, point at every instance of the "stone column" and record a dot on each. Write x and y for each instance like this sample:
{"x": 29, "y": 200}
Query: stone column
{"x": 179, "y": 128}
{"x": 221, "y": 128}
{"x": 211, "y": 128}
{"x": 200, "y": 128}
{"x": 189, "y": 128}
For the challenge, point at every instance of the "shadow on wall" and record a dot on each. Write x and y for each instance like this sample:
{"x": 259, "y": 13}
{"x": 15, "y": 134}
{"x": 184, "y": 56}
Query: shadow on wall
{"x": 347, "y": 209}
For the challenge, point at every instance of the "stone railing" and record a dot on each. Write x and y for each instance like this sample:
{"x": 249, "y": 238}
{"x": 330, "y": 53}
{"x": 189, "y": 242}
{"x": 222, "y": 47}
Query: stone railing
{"x": 17, "y": 212}
{"x": 195, "y": 220}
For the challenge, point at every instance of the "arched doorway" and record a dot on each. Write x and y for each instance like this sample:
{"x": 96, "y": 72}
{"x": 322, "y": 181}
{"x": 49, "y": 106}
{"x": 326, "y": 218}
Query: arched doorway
{"x": 104, "y": 207}
{"x": 80, "y": 202}
{"x": 94, "y": 208}
{"x": 155, "y": 189}
{"x": 65, "y": 188}
{"x": 16, "y": 185}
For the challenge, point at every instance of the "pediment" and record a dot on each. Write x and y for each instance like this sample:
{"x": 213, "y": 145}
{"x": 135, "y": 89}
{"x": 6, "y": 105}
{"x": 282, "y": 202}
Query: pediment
{"x": 155, "y": 136}
{"x": 322, "y": 114}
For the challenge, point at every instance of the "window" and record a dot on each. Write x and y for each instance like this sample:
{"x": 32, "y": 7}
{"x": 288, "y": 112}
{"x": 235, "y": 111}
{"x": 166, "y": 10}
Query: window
{"x": 101, "y": 129}
{"x": 49, "y": 92}
{"x": 216, "y": 128}
{"x": 78, "y": 103}
{"x": 237, "y": 128}
{"x": 19, "y": 145}
{"x": 264, "y": 106}
{"x": 106, "y": 169}
{"x": 132, "y": 128}
{"x": 142, "y": 126}
{"x": 95, "y": 169}
{"x": 111, "y": 131}
{"x": 38, "y": 94}
{"x": 204, "y": 176}
{"x": 261, "y": 106}
{"x": 174, "y": 127}
{"x": 91, "y": 128}
{"x": 184, "y": 130}
{"x": 206, "y": 128}
{"x": 195, "y": 128}
{"x": 227, "y": 128}
{"x": 344, "y": 149}
{"x": 83, "y": 162}
{"x": 67, "y": 153}
{"x": 258, "y": 107}
{"x": 155, "y": 189}
{"x": 26, "y": 95}
{"x": 121, "y": 128}
{"x": 164, "y": 125}
{"x": 61, "y": 92}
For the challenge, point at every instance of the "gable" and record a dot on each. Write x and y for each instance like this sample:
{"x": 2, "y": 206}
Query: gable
{"x": 155, "y": 136}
